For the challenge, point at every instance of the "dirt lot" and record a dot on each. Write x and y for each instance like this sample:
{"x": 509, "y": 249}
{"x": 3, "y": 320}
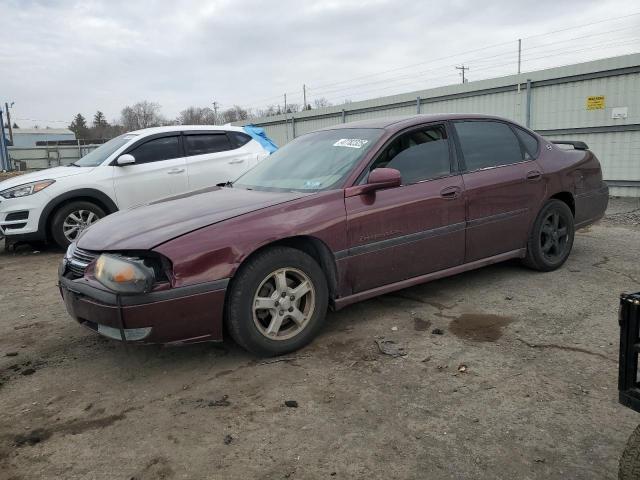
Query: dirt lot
{"x": 537, "y": 398}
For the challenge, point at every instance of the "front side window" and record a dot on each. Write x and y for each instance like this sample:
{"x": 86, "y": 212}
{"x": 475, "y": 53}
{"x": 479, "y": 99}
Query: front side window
{"x": 418, "y": 155}
{"x": 164, "y": 148}
{"x": 487, "y": 144}
{"x": 200, "y": 144}
{"x": 313, "y": 162}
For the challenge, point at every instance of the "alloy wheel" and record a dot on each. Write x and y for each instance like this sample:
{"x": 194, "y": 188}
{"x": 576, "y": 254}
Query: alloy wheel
{"x": 76, "y": 222}
{"x": 283, "y": 304}
{"x": 554, "y": 236}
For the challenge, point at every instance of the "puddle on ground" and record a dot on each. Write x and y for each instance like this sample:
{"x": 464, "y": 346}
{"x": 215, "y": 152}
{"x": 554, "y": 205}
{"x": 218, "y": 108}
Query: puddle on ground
{"x": 479, "y": 327}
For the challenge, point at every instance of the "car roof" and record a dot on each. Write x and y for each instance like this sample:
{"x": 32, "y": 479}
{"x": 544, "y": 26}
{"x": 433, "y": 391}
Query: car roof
{"x": 400, "y": 122}
{"x": 181, "y": 128}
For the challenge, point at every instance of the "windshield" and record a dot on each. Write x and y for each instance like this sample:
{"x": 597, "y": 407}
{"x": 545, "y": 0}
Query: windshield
{"x": 100, "y": 154}
{"x": 316, "y": 161}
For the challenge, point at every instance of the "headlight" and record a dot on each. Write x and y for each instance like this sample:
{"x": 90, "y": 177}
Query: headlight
{"x": 26, "y": 189}
{"x": 124, "y": 274}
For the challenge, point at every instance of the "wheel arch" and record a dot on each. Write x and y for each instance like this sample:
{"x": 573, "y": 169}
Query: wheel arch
{"x": 312, "y": 246}
{"x": 568, "y": 198}
{"x": 101, "y": 199}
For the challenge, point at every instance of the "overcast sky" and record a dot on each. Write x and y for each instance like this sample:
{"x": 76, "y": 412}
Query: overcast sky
{"x": 61, "y": 57}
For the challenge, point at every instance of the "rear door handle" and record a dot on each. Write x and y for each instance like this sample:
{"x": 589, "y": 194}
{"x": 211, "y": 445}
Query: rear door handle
{"x": 234, "y": 162}
{"x": 534, "y": 175}
{"x": 173, "y": 171}
{"x": 449, "y": 193}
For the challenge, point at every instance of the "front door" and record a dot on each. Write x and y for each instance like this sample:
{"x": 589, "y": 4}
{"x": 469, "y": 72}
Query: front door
{"x": 503, "y": 184}
{"x": 159, "y": 171}
{"x": 414, "y": 229}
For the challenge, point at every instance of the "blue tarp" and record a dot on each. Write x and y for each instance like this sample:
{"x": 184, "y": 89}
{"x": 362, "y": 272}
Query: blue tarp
{"x": 259, "y": 136}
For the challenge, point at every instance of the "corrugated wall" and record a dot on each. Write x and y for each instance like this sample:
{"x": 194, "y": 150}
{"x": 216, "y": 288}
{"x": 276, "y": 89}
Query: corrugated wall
{"x": 558, "y": 110}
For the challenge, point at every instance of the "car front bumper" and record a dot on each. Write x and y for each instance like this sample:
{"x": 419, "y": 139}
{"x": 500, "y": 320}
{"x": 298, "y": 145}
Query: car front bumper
{"x": 20, "y": 217}
{"x": 179, "y": 315}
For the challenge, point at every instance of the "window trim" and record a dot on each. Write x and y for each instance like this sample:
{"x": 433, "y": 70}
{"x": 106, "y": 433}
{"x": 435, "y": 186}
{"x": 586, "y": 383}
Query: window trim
{"x": 206, "y": 132}
{"x": 461, "y": 159}
{"x": 453, "y": 161}
{"x": 515, "y": 129}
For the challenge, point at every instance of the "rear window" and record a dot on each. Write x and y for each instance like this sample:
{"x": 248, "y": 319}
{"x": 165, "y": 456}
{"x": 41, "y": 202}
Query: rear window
{"x": 488, "y": 144}
{"x": 238, "y": 139}
{"x": 529, "y": 142}
{"x": 201, "y": 144}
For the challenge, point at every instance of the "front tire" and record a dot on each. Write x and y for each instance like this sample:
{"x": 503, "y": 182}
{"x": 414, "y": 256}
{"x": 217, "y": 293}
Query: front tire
{"x": 630, "y": 460}
{"x": 71, "y": 219}
{"x": 277, "y": 302}
{"x": 551, "y": 238}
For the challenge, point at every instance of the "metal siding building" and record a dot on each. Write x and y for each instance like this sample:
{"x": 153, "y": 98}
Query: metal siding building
{"x": 27, "y": 137}
{"x": 558, "y": 109}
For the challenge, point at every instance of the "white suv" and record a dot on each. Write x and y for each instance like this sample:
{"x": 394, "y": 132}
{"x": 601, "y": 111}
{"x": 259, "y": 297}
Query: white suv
{"x": 134, "y": 168}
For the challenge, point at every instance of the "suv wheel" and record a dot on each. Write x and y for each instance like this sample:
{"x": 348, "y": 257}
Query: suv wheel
{"x": 278, "y": 302}
{"x": 551, "y": 238}
{"x": 71, "y": 219}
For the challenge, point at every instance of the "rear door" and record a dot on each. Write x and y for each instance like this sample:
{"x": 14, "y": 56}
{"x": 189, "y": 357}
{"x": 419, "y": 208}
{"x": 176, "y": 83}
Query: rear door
{"x": 214, "y": 157}
{"x": 417, "y": 228}
{"x": 159, "y": 171}
{"x": 503, "y": 184}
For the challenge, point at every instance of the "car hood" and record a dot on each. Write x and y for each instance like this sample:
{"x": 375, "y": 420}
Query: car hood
{"x": 48, "y": 174}
{"x": 147, "y": 226}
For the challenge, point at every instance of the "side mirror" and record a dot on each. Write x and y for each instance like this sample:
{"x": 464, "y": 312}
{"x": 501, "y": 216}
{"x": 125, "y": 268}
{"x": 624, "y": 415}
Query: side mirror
{"x": 126, "y": 159}
{"x": 378, "y": 179}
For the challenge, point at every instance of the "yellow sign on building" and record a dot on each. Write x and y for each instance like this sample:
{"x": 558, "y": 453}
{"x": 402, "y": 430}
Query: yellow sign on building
{"x": 595, "y": 102}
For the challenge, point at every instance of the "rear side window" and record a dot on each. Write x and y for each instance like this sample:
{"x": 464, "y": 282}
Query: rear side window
{"x": 488, "y": 144}
{"x": 158, "y": 149}
{"x": 529, "y": 142}
{"x": 238, "y": 139}
{"x": 418, "y": 155}
{"x": 206, "y": 143}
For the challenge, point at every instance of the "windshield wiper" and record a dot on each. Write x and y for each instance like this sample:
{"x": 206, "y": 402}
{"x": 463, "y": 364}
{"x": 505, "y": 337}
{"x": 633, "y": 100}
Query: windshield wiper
{"x": 225, "y": 184}
{"x": 74, "y": 164}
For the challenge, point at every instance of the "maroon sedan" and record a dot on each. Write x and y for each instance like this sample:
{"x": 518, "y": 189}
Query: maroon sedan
{"x": 334, "y": 217}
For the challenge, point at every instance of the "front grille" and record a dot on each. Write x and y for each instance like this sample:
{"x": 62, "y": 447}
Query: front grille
{"x": 79, "y": 261}
{"x": 16, "y": 216}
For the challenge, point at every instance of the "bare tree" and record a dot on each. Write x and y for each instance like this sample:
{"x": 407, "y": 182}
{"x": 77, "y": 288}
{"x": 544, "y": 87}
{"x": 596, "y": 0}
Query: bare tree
{"x": 143, "y": 114}
{"x": 234, "y": 114}
{"x": 197, "y": 116}
{"x": 321, "y": 103}
{"x": 293, "y": 107}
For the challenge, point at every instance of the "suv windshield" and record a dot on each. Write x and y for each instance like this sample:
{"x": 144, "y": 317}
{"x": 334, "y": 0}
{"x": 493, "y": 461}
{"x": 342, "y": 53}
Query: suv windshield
{"x": 100, "y": 154}
{"x": 316, "y": 161}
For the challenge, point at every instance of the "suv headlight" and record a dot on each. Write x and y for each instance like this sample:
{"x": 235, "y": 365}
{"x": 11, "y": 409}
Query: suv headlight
{"x": 124, "y": 274}
{"x": 26, "y": 189}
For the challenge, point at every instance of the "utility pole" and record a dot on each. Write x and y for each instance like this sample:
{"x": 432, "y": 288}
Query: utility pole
{"x": 285, "y": 103}
{"x": 6, "y": 108}
{"x": 519, "y": 53}
{"x": 463, "y": 68}
{"x": 215, "y": 112}
{"x": 304, "y": 96}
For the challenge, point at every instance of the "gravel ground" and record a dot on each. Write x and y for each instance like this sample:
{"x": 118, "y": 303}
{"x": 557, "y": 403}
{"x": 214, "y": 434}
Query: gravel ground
{"x": 508, "y": 373}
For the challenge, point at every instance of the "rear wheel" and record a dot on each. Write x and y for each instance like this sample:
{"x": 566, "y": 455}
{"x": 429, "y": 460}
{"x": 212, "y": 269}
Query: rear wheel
{"x": 278, "y": 302}
{"x": 551, "y": 238}
{"x": 71, "y": 219}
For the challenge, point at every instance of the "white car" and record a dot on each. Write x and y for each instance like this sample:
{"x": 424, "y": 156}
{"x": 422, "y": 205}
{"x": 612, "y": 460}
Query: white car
{"x": 135, "y": 168}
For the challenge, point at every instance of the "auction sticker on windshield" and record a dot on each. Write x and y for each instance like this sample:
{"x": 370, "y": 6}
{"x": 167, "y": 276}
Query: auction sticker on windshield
{"x": 351, "y": 142}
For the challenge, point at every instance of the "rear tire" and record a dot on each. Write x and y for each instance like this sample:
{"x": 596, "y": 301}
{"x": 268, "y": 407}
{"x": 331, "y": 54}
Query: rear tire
{"x": 630, "y": 459}
{"x": 277, "y": 302}
{"x": 551, "y": 238}
{"x": 71, "y": 219}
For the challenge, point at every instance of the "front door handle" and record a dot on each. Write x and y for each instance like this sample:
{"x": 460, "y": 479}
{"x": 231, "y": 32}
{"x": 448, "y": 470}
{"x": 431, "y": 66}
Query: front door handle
{"x": 173, "y": 171}
{"x": 234, "y": 162}
{"x": 534, "y": 176}
{"x": 449, "y": 193}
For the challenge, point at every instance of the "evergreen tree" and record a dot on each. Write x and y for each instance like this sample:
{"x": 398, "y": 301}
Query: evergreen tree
{"x": 79, "y": 127}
